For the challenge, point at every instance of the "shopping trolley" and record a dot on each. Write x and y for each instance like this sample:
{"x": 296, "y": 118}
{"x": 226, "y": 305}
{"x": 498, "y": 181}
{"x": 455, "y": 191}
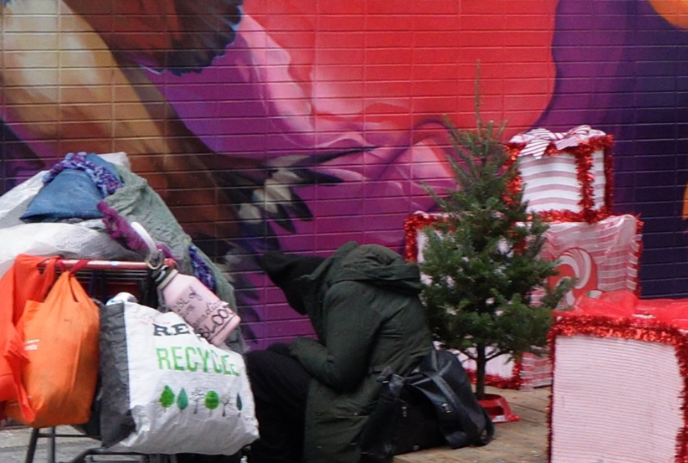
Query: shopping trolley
{"x": 102, "y": 280}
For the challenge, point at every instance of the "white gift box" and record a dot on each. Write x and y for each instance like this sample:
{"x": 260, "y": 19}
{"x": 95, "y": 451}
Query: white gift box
{"x": 619, "y": 383}
{"x": 603, "y": 256}
{"x": 565, "y": 175}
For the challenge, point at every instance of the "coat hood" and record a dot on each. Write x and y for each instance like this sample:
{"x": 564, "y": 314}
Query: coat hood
{"x": 371, "y": 264}
{"x": 376, "y": 265}
{"x": 304, "y": 279}
{"x": 286, "y": 270}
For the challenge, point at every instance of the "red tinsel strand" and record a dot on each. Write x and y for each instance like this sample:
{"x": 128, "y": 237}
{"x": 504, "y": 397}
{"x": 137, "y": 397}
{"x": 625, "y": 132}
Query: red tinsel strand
{"x": 516, "y": 379}
{"x": 609, "y": 175}
{"x": 513, "y": 149}
{"x": 497, "y": 381}
{"x": 583, "y": 158}
{"x": 414, "y": 223}
{"x": 515, "y": 185}
{"x": 608, "y": 142}
{"x": 646, "y": 330}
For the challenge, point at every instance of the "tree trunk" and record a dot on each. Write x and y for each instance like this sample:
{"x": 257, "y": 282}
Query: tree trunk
{"x": 480, "y": 366}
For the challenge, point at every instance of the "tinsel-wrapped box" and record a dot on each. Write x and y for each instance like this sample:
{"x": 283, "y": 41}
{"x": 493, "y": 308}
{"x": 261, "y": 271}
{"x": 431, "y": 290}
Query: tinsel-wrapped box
{"x": 603, "y": 256}
{"x": 565, "y": 176}
{"x": 620, "y": 369}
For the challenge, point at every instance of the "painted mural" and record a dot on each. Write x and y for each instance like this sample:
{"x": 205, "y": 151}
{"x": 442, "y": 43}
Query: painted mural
{"x": 301, "y": 124}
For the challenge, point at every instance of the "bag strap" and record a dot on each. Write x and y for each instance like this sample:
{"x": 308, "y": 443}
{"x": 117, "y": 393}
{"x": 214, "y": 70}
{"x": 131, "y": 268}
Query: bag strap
{"x": 48, "y": 276}
{"x": 80, "y": 264}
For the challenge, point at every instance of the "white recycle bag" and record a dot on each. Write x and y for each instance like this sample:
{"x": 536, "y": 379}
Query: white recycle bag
{"x": 167, "y": 390}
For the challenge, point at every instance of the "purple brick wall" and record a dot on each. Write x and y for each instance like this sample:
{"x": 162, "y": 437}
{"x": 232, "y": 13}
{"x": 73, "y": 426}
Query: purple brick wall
{"x": 339, "y": 104}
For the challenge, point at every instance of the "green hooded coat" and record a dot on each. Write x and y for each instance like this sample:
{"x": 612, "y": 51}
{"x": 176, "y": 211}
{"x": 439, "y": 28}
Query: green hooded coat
{"x": 364, "y": 306}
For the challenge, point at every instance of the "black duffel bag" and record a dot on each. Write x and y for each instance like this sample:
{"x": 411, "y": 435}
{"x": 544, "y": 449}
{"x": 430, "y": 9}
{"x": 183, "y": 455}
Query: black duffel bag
{"x": 434, "y": 405}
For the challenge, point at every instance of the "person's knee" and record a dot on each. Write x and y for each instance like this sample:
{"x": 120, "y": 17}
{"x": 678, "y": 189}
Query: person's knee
{"x": 275, "y": 356}
{"x": 265, "y": 364}
{"x": 256, "y": 360}
{"x": 273, "y": 375}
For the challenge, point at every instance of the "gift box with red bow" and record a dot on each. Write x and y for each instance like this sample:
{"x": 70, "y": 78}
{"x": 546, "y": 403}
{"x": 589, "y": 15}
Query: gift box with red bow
{"x": 565, "y": 176}
{"x": 620, "y": 379}
{"x": 602, "y": 256}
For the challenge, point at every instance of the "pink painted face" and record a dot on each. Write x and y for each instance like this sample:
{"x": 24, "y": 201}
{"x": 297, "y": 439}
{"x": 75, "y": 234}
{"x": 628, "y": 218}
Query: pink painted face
{"x": 394, "y": 63}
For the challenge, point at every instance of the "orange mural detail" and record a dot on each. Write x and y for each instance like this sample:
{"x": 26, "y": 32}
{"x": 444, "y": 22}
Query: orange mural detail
{"x": 674, "y": 11}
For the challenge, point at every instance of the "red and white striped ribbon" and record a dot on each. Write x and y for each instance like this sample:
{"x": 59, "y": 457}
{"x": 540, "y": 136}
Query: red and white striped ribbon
{"x": 537, "y": 140}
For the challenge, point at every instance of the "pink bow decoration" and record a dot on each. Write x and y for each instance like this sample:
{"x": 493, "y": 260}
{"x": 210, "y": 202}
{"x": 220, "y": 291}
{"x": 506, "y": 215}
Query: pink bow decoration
{"x": 537, "y": 140}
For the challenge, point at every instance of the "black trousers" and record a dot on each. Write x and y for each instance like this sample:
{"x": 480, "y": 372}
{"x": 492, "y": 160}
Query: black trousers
{"x": 280, "y": 389}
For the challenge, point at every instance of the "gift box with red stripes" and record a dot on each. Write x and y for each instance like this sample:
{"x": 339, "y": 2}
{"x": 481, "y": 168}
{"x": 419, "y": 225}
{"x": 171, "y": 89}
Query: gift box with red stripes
{"x": 565, "y": 176}
{"x": 602, "y": 256}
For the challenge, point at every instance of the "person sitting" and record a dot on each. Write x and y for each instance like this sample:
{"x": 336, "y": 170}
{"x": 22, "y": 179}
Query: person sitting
{"x": 313, "y": 396}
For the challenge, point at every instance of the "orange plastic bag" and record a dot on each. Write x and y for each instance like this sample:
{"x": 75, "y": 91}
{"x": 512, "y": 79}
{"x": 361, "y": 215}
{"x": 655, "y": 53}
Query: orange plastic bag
{"x": 24, "y": 281}
{"x": 61, "y": 345}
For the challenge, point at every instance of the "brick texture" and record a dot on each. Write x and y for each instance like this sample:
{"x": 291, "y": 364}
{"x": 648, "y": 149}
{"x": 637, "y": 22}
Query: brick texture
{"x": 354, "y": 91}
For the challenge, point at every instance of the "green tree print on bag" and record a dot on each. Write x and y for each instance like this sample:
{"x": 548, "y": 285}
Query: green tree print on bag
{"x": 167, "y": 397}
{"x": 212, "y": 400}
{"x": 182, "y": 400}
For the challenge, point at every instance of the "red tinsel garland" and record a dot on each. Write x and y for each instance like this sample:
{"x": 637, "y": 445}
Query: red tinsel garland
{"x": 497, "y": 381}
{"x": 416, "y": 221}
{"x": 646, "y": 330}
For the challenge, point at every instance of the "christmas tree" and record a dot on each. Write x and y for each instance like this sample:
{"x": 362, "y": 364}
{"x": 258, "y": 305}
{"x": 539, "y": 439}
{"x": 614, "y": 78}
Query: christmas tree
{"x": 480, "y": 263}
